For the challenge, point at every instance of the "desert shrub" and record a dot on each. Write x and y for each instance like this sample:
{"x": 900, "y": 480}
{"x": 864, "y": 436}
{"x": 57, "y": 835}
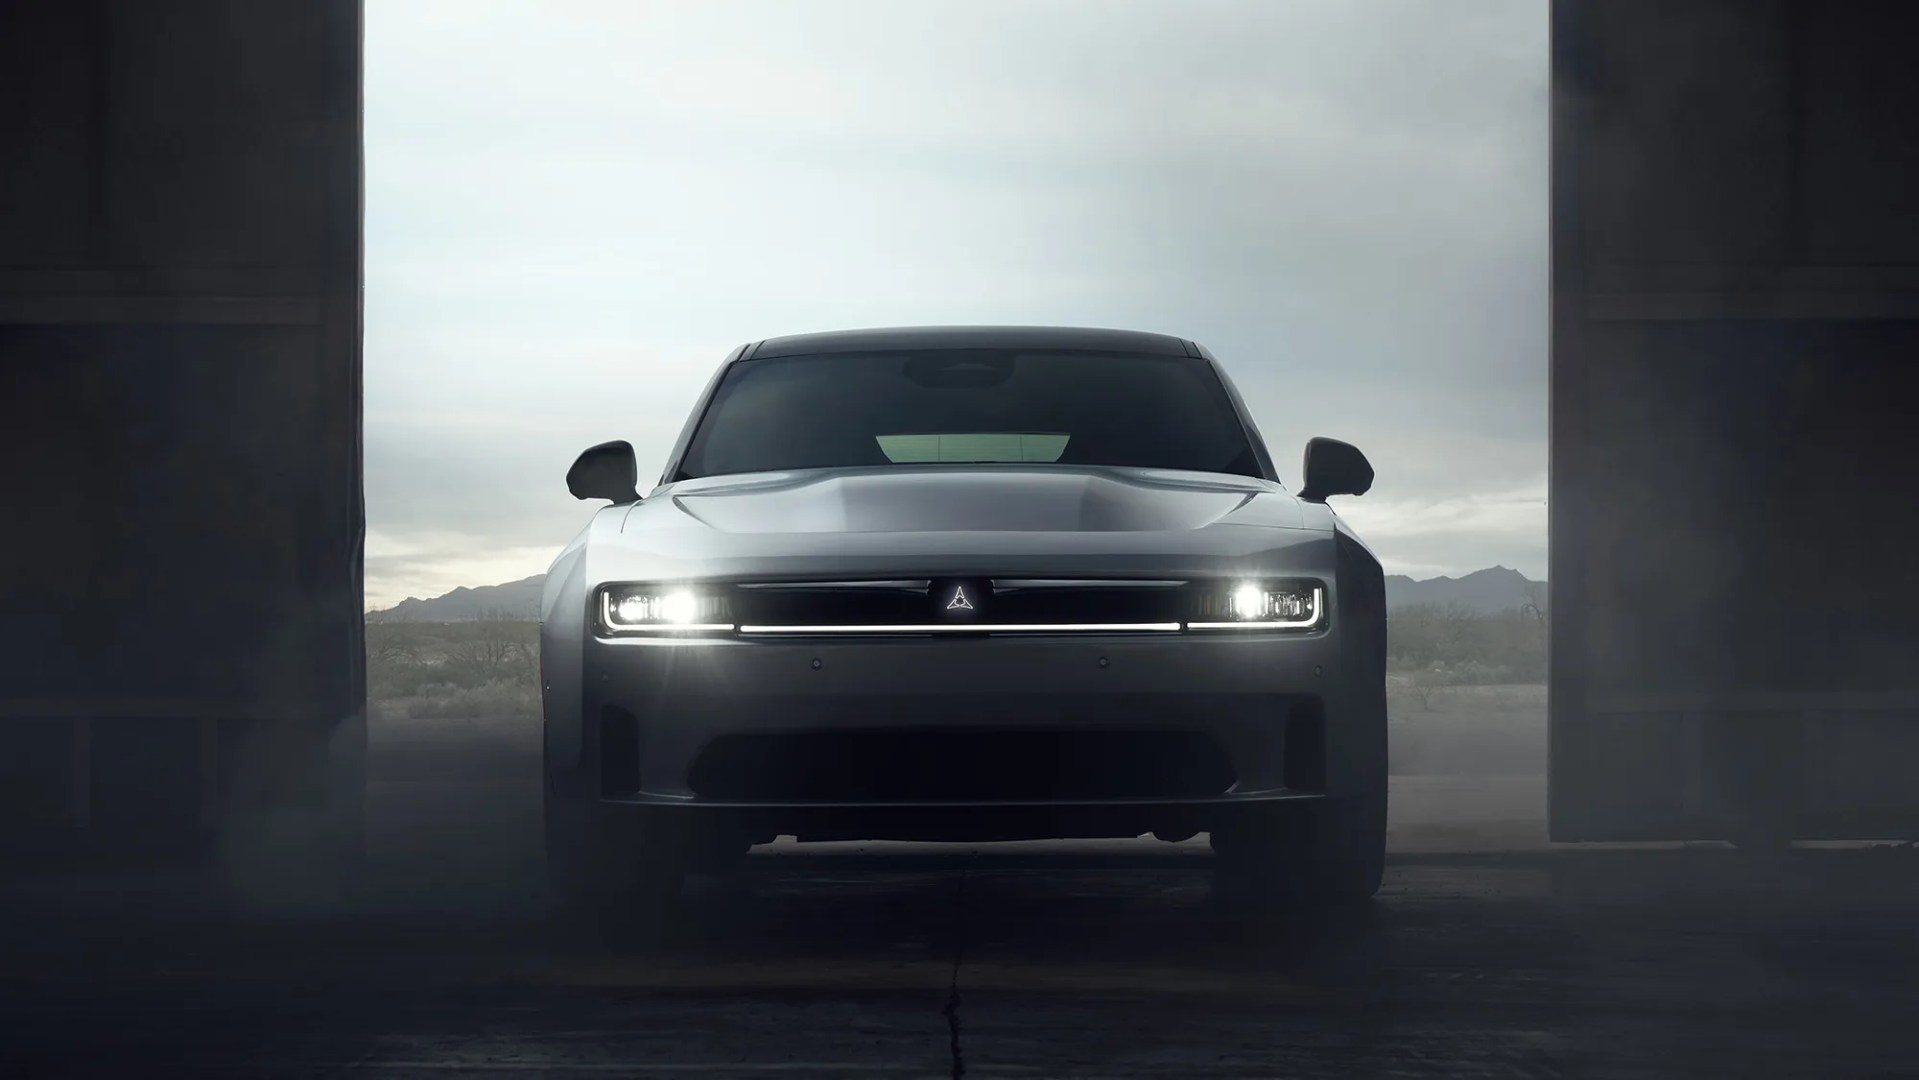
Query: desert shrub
{"x": 407, "y": 660}
{"x": 489, "y": 699}
{"x": 493, "y": 649}
{"x": 1456, "y": 647}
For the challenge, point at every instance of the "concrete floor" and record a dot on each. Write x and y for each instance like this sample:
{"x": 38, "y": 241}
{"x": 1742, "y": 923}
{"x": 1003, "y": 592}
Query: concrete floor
{"x": 1486, "y": 955}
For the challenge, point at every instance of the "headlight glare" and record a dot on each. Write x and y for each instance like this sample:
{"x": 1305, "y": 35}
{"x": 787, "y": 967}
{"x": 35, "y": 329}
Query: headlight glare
{"x": 1262, "y": 605}
{"x": 628, "y": 609}
{"x": 679, "y": 607}
{"x": 1250, "y": 602}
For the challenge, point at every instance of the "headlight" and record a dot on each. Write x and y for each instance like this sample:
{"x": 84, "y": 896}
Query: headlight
{"x": 1262, "y": 605}
{"x": 652, "y": 609}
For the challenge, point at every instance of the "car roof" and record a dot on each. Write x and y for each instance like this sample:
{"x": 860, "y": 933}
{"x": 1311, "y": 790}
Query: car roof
{"x": 1077, "y": 338}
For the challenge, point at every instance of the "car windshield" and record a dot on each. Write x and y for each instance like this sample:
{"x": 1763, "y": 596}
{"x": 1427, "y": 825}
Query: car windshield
{"x": 970, "y": 406}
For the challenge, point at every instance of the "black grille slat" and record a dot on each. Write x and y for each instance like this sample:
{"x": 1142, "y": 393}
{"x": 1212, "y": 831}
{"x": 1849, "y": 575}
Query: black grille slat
{"x": 830, "y": 607}
{"x": 934, "y": 766}
{"x": 1092, "y": 605}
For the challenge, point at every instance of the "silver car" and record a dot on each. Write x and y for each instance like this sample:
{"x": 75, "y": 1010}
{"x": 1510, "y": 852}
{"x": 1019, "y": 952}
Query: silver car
{"x": 966, "y": 584}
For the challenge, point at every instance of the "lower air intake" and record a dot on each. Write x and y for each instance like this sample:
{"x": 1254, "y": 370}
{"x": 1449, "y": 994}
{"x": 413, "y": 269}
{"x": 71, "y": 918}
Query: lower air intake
{"x": 961, "y": 766}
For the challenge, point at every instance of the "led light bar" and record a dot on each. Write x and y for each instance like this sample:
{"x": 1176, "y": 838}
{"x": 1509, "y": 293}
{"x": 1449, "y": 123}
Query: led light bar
{"x": 1277, "y": 606}
{"x": 972, "y": 628}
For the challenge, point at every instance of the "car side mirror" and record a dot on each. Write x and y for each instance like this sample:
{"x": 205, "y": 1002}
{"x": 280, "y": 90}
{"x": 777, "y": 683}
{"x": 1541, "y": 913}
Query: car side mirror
{"x": 606, "y": 471}
{"x": 1334, "y": 468}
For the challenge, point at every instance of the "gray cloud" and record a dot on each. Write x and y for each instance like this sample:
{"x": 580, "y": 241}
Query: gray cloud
{"x": 576, "y": 208}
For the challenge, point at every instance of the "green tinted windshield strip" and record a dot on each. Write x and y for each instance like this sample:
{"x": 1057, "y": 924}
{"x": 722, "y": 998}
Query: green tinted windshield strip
{"x": 1024, "y": 447}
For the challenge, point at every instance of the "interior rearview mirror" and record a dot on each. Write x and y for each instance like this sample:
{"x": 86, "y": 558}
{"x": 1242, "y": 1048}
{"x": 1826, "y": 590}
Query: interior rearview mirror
{"x": 606, "y": 471}
{"x": 1334, "y": 468}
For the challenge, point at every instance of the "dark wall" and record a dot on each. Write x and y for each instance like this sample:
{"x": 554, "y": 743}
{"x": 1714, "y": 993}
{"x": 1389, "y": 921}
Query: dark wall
{"x": 1735, "y": 355}
{"x": 180, "y": 599}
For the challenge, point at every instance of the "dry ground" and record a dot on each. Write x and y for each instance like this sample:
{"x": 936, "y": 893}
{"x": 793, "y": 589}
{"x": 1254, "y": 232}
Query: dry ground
{"x": 1074, "y": 960}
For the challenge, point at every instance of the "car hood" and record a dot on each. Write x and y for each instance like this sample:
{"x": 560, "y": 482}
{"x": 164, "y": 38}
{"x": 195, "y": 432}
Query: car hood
{"x": 1009, "y": 499}
{"x": 946, "y": 519}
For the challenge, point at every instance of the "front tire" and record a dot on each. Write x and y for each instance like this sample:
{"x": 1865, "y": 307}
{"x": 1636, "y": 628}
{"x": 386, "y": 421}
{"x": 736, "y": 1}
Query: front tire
{"x": 613, "y": 869}
{"x": 1324, "y": 854}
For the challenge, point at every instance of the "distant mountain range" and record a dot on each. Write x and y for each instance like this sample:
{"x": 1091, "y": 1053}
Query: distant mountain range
{"x": 1485, "y": 592}
{"x": 1488, "y": 591}
{"x": 513, "y": 600}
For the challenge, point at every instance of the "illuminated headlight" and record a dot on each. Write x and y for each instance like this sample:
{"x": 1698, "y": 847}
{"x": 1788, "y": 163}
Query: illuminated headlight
{"x": 1262, "y": 605}
{"x": 642, "y": 609}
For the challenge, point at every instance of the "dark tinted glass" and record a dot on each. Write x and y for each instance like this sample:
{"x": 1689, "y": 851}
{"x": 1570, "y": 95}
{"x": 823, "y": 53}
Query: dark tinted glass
{"x": 959, "y": 406}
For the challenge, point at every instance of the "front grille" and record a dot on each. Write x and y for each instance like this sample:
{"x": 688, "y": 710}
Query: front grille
{"x": 961, "y": 766}
{"x": 1001, "y": 602}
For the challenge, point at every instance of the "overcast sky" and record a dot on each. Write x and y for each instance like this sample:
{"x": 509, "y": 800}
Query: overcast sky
{"x": 574, "y": 209}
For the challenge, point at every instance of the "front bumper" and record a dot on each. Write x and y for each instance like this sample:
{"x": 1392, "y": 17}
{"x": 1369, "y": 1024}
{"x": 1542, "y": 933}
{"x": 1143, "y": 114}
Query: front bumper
{"x": 1129, "y": 729}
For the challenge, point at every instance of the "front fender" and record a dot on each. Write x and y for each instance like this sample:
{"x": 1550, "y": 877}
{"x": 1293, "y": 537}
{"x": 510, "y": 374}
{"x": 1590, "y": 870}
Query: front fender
{"x": 563, "y": 657}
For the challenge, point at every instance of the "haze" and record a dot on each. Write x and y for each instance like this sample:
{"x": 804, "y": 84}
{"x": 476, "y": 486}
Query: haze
{"x": 576, "y": 209}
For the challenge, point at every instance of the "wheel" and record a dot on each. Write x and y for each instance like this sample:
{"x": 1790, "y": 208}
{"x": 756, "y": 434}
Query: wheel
{"x": 614, "y": 871}
{"x": 1321, "y": 854}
